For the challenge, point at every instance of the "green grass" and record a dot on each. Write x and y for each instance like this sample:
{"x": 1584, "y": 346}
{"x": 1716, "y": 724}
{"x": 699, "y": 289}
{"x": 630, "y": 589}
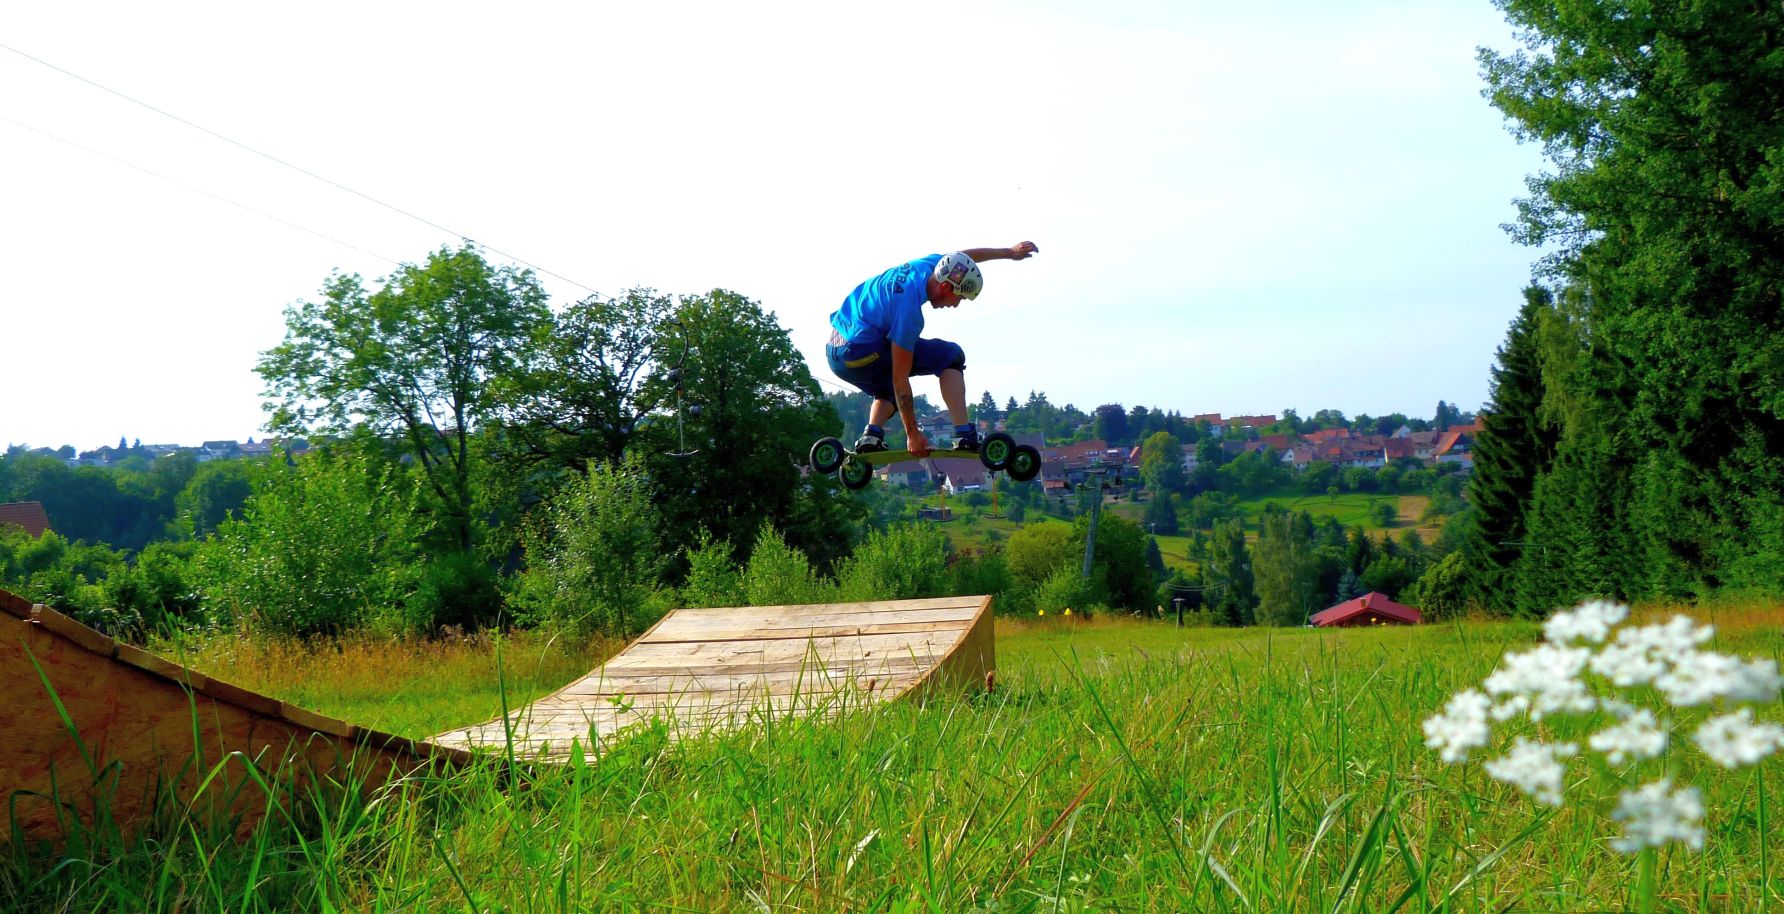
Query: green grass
{"x": 1118, "y": 766}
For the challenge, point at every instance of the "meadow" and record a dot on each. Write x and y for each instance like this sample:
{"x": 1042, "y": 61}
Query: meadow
{"x": 1117, "y": 766}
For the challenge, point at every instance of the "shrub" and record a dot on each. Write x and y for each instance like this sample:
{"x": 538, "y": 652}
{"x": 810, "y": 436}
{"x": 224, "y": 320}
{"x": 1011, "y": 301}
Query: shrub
{"x": 594, "y": 551}
{"x": 778, "y": 574}
{"x": 1064, "y": 589}
{"x": 905, "y": 562}
{"x": 713, "y": 576}
{"x": 319, "y": 547}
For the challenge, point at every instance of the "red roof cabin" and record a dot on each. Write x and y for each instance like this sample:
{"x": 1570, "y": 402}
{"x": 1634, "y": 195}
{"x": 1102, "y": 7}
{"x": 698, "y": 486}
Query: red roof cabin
{"x": 1371, "y": 608}
{"x": 28, "y": 515}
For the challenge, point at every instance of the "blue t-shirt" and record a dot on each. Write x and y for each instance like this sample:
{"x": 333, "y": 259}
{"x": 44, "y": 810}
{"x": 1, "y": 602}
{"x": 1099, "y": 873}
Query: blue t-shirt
{"x": 888, "y": 306}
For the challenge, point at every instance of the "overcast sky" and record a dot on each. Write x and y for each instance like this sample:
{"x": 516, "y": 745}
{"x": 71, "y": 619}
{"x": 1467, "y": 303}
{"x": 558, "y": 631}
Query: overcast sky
{"x": 1240, "y": 207}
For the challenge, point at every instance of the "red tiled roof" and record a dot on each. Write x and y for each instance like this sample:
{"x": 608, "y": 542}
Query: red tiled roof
{"x": 1371, "y": 602}
{"x": 27, "y": 514}
{"x": 1327, "y": 434}
{"x": 1449, "y": 440}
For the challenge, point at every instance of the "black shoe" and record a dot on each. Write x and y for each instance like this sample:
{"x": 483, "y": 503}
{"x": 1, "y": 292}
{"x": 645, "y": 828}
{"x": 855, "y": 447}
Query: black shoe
{"x": 966, "y": 445}
{"x": 868, "y": 444}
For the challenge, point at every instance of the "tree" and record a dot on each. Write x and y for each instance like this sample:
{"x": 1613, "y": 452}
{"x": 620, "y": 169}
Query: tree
{"x": 1161, "y": 514}
{"x": 1665, "y": 214}
{"x": 1285, "y": 571}
{"x": 1229, "y": 576}
{"x": 415, "y": 360}
{"x": 598, "y": 372}
{"x": 1161, "y": 464}
{"x": 1118, "y": 561}
{"x": 761, "y": 409}
{"x": 1515, "y": 447}
{"x": 1111, "y": 423}
{"x": 986, "y": 409}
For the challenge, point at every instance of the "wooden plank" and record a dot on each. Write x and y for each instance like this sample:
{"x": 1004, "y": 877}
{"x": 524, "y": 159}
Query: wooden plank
{"x": 618, "y": 682}
{"x": 863, "y": 647}
{"x": 680, "y": 625}
{"x": 847, "y": 630}
{"x": 824, "y": 609}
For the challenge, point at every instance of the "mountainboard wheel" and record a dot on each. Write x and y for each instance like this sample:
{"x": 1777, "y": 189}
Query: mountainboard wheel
{"x": 856, "y": 474}
{"x": 827, "y": 455}
{"x": 995, "y": 450}
{"x": 1025, "y": 463}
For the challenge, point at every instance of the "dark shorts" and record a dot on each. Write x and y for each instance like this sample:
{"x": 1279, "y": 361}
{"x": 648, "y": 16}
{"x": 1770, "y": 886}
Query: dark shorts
{"x": 869, "y": 365}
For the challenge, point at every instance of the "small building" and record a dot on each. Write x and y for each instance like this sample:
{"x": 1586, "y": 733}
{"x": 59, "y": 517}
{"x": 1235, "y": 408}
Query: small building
{"x": 28, "y": 515}
{"x": 1371, "y": 608}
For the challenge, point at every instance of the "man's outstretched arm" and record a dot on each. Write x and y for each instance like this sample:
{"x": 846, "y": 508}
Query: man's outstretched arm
{"x": 1014, "y": 252}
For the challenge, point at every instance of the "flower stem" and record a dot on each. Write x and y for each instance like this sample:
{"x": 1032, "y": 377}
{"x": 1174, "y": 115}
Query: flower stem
{"x": 1765, "y": 861}
{"x": 1644, "y": 887}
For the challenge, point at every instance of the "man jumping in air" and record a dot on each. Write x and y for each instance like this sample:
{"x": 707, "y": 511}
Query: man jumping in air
{"x": 875, "y": 344}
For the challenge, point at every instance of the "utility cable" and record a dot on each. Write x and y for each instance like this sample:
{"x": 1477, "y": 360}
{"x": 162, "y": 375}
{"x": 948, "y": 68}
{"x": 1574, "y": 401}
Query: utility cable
{"x": 303, "y": 171}
{"x": 196, "y": 189}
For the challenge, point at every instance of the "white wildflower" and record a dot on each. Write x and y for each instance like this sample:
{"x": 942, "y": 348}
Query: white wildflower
{"x": 1544, "y": 680}
{"x": 1639, "y": 735}
{"x": 1591, "y": 621}
{"x": 1641, "y": 655}
{"x": 1655, "y": 814}
{"x": 1700, "y": 677}
{"x": 1735, "y": 740}
{"x": 1461, "y": 727}
{"x": 1534, "y": 767}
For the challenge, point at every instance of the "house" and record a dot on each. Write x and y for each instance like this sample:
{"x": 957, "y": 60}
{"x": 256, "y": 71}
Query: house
{"x": 1456, "y": 446}
{"x": 28, "y": 515}
{"x": 911, "y": 474}
{"x": 961, "y": 476}
{"x": 943, "y": 512}
{"x": 253, "y": 449}
{"x": 218, "y": 450}
{"x": 1190, "y": 458}
{"x": 1252, "y": 421}
{"x": 1371, "y": 608}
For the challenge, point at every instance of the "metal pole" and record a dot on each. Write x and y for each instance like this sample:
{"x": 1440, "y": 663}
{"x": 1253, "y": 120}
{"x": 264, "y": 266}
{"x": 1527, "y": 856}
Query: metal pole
{"x": 1096, "y": 513}
{"x": 1179, "y": 602}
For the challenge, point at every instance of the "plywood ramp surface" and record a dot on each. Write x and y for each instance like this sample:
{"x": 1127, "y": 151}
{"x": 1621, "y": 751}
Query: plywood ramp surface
{"x": 120, "y": 732}
{"x": 702, "y": 669}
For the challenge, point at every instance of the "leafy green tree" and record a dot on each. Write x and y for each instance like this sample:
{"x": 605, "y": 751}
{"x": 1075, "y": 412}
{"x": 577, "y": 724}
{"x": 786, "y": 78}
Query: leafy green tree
{"x": 1118, "y": 562}
{"x": 1383, "y": 513}
{"x": 1161, "y": 464}
{"x": 1160, "y": 516}
{"x": 598, "y": 371}
{"x": 217, "y": 491}
{"x": 735, "y": 466}
{"x": 418, "y": 360}
{"x": 1285, "y": 571}
{"x": 1665, "y": 213}
{"x": 1229, "y": 575}
{"x": 1037, "y": 550}
{"x": 713, "y": 577}
{"x": 1111, "y": 423}
{"x": 778, "y": 574}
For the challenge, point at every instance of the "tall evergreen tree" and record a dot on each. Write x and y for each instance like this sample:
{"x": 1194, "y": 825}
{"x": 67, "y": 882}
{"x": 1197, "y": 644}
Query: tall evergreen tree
{"x": 1514, "y": 447}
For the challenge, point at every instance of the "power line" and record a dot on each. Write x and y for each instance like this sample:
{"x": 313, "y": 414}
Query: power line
{"x": 196, "y": 189}
{"x": 275, "y": 159}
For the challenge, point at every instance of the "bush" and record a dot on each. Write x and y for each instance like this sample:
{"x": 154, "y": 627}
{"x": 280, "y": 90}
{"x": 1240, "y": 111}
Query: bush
{"x": 778, "y": 574}
{"x": 1064, "y": 589}
{"x": 458, "y": 589}
{"x": 319, "y": 548}
{"x": 713, "y": 576}
{"x": 594, "y": 552}
{"x": 905, "y": 562}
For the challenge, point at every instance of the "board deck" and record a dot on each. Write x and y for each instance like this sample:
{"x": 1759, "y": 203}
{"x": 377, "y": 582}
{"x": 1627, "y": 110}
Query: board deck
{"x": 698, "y": 670}
{"x": 886, "y": 458}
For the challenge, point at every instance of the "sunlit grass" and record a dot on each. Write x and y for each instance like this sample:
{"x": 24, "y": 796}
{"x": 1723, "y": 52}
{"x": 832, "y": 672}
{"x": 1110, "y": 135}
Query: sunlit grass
{"x": 1118, "y": 766}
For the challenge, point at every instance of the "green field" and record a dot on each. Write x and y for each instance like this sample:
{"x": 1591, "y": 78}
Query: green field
{"x": 1118, "y": 766}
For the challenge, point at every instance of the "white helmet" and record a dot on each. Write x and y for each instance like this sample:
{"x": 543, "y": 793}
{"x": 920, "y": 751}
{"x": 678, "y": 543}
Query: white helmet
{"x": 958, "y": 271}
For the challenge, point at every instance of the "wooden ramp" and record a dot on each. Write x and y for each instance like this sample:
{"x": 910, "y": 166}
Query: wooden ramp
{"x": 702, "y": 669}
{"x": 119, "y": 732}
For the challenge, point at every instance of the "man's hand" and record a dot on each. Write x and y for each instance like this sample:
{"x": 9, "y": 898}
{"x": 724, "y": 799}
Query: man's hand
{"x": 918, "y": 443}
{"x": 1022, "y": 250}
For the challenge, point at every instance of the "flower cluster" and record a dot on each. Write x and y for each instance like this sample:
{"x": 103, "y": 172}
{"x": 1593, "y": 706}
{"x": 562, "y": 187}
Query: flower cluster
{"x": 1584, "y": 650}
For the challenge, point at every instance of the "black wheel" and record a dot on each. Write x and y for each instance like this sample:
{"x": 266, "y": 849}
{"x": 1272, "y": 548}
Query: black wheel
{"x": 995, "y": 450}
{"x": 827, "y": 455}
{"x": 856, "y": 474}
{"x": 1025, "y": 463}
